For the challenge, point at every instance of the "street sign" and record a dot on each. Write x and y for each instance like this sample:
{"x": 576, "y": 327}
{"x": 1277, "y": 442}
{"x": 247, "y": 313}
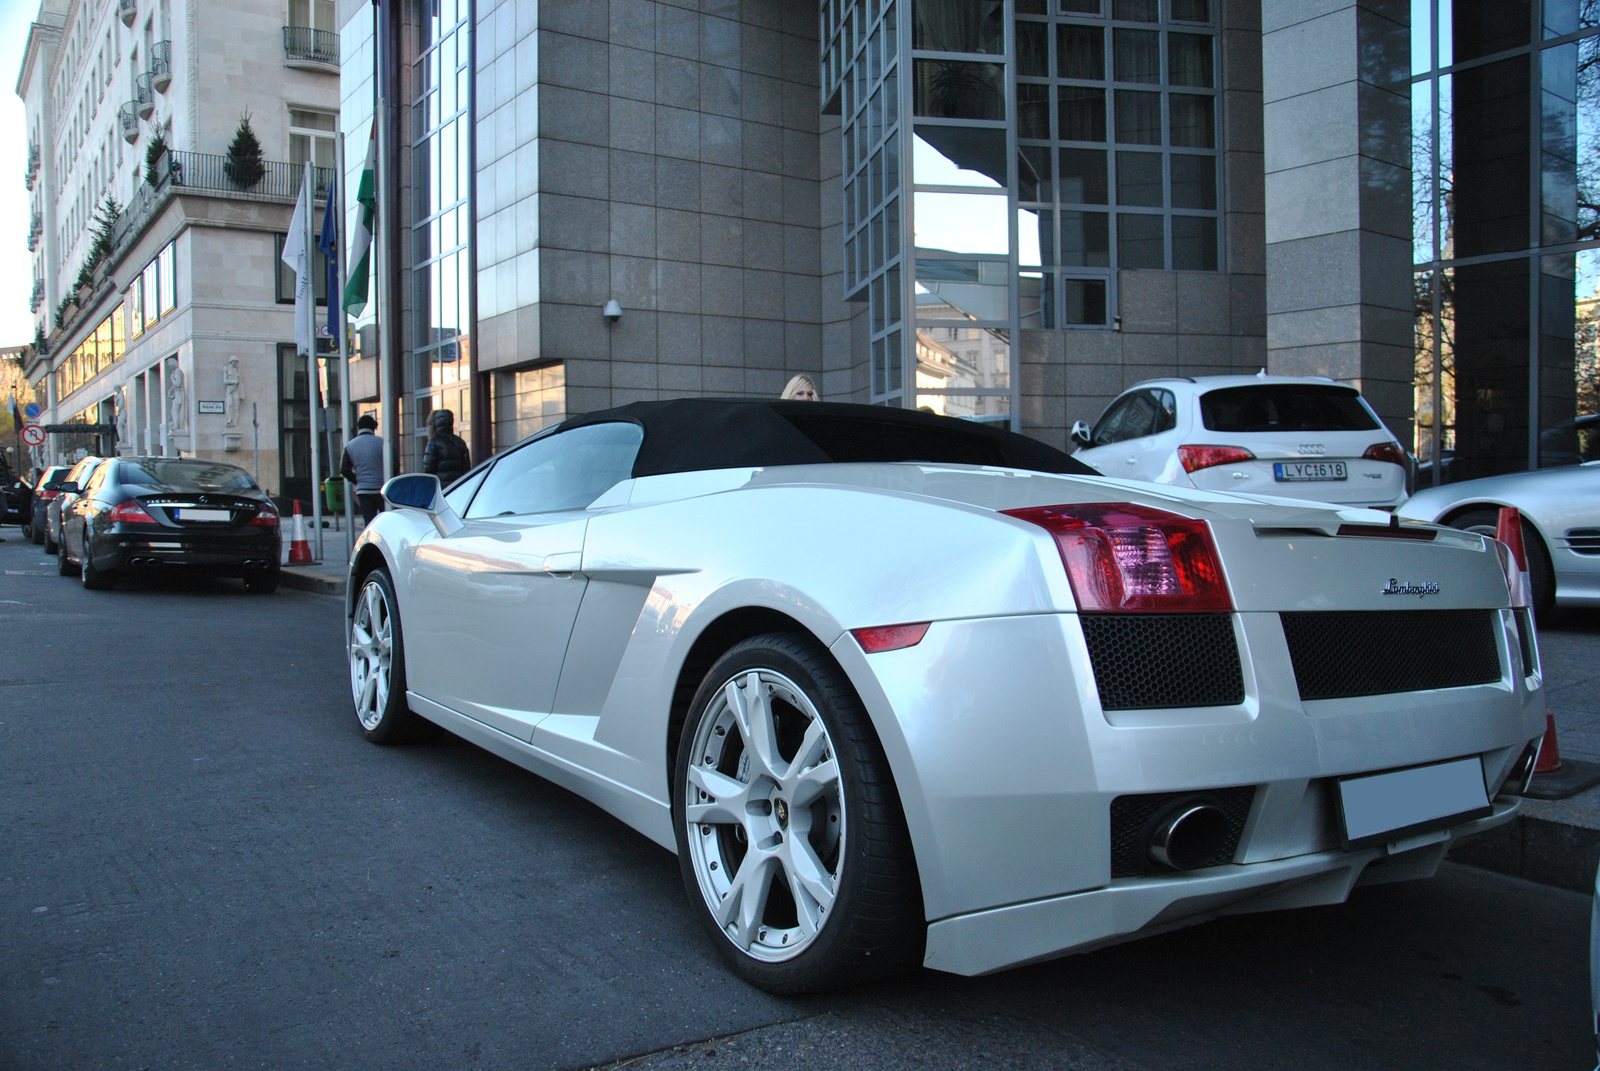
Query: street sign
{"x": 32, "y": 411}
{"x": 33, "y": 435}
{"x": 213, "y": 407}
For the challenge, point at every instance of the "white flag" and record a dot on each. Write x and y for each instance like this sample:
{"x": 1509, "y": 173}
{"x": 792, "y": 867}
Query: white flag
{"x": 298, "y": 257}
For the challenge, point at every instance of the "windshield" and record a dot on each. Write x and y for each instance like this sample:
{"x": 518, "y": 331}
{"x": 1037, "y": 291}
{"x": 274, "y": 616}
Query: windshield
{"x": 1285, "y": 407}
{"x": 176, "y": 475}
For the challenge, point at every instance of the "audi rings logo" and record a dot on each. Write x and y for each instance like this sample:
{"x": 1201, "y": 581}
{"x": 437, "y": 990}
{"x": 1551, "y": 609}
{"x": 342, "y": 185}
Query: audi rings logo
{"x": 1316, "y": 449}
{"x": 1406, "y": 587}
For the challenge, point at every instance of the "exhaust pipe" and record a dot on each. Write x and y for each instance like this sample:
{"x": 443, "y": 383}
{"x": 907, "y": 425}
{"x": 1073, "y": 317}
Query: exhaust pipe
{"x": 1191, "y": 836}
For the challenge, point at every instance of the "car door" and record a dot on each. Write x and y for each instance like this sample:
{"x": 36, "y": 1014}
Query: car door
{"x": 491, "y": 608}
{"x": 1117, "y": 449}
{"x": 77, "y": 518}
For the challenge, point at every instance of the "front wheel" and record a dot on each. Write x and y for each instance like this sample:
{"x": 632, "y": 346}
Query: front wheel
{"x": 791, "y": 841}
{"x": 378, "y": 665}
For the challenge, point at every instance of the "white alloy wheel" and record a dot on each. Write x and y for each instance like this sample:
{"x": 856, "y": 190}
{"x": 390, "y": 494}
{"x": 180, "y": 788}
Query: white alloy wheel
{"x": 765, "y": 815}
{"x": 371, "y": 654}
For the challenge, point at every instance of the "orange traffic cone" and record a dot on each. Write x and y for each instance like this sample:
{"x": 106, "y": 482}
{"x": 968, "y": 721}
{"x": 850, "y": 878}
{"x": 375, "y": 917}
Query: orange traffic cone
{"x": 299, "y": 549}
{"x": 1549, "y": 749}
{"x": 1509, "y": 532}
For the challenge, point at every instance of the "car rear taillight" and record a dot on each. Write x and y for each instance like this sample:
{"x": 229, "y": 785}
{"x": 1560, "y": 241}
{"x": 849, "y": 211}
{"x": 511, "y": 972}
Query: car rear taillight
{"x": 130, "y": 512}
{"x": 46, "y": 495}
{"x": 890, "y": 637}
{"x": 1389, "y": 452}
{"x": 1126, "y": 558}
{"x": 266, "y": 517}
{"x": 1195, "y": 458}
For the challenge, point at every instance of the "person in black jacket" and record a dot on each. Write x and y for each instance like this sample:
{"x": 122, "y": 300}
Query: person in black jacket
{"x": 446, "y": 456}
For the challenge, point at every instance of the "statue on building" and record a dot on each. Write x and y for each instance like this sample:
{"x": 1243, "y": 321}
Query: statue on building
{"x": 230, "y": 392}
{"x": 177, "y": 399}
{"x": 119, "y": 400}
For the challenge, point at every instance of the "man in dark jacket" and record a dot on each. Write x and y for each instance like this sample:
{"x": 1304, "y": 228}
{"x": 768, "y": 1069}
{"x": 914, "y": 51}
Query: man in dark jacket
{"x": 446, "y": 455}
{"x": 363, "y": 467}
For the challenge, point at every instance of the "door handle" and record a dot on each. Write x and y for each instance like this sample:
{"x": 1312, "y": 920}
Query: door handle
{"x": 1132, "y": 460}
{"x": 563, "y": 564}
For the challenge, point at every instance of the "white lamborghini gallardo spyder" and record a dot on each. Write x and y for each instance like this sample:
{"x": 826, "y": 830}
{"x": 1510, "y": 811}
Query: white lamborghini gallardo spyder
{"x": 901, "y": 689}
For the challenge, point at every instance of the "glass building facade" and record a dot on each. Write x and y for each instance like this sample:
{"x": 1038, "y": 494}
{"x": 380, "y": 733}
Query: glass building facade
{"x": 1506, "y": 225}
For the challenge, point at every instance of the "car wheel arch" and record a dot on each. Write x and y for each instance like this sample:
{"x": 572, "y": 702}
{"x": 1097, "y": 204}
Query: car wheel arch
{"x": 368, "y": 558}
{"x": 1461, "y": 509}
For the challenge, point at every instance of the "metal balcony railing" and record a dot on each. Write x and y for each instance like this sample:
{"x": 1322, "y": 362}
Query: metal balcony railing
{"x": 128, "y": 120}
{"x": 315, "y": 46}
{"x": 35, "y": 231}
{"x": 33, "y": 167}
{"x": 37, "y": 297}
{"x": 161, "y": 65}
{"x": 127, "y": 10}
{"x": 145, "y": 95}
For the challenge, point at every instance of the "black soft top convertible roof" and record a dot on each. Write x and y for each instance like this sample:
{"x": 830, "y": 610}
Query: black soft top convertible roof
{"x": 696, "y": 434}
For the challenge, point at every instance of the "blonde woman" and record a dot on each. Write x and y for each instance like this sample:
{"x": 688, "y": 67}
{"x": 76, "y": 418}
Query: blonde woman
{"x": 801, "y": 389}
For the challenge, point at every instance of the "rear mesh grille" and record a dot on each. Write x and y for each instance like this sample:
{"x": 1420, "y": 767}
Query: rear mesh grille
{"x": 1134, "y": 819}
{"x": 1341, "y": 654}
{"x": 1143, "y": 661}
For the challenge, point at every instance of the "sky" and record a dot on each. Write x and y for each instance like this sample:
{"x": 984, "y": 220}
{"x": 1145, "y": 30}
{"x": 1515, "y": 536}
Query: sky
{"x": 16, "y": 263}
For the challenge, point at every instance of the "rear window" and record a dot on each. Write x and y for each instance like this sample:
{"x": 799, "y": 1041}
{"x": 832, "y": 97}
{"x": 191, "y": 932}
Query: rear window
{"x": 54, "y": 478}
{"x": 1285, "y": 407}
{"x": 176, "y": 475}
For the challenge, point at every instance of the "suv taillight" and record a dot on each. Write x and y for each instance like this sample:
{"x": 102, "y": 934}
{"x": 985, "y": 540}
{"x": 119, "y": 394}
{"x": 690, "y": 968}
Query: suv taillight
{"x": 1389, "y": 452}
{"x": 45, "y": 494}
{"x": 1195, "y": 458}
{"x": 130, "y": 512}
{"x": 1126, "y": 558}
{"x": 266, "y": 517}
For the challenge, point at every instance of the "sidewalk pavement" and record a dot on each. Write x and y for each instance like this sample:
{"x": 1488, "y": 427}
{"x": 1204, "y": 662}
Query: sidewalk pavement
{"x": 1554, "y": 842}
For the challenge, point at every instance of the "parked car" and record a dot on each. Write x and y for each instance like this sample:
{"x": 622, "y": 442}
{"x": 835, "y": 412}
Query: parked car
{"x": 1560, "y": 510}
{"x": 67, "y": 493}
{"x": 46, "y": 488}
{"x": 1571, "y": 441}
{"x": 162, "y": 513}
{"x": 901, "y": 689}
{"x": 18, "y": 501}
{"x": 1309, "y": 438}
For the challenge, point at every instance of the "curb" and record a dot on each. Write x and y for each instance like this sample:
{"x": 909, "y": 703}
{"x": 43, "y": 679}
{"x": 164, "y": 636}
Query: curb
{"x": 1554, "y": 842}
{"x": 310, "y": 580}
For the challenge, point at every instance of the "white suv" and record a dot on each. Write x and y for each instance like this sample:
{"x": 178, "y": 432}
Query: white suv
{"x": 1294, "y": 437}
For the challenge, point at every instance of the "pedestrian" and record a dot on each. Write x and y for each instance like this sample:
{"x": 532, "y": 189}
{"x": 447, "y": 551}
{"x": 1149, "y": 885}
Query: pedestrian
{"x": 801, "y": 388}
{"x": 362, "y": 467}
{"x": 446, "y": 456}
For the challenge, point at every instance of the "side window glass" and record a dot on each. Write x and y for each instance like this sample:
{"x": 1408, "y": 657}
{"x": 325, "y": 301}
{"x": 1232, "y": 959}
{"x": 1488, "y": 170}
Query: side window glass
{"x": 565, "y": 471}
{"x": 98, "y": 478}
{"x": 461, "y": 493}
{"x": 1166, "y": 411}
{"x": 1134, "y": 416}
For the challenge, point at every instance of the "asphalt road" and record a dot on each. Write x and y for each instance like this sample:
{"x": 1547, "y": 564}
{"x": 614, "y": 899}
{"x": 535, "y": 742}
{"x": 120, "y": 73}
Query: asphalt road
{"x": 203, "y": 865}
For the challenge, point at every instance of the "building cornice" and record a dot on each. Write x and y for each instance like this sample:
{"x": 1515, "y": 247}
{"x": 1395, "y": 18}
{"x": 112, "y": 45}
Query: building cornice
{"x": 39, "y": 34}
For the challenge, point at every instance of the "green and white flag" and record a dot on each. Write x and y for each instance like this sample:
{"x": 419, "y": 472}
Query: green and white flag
{"x": 355, "y": 291}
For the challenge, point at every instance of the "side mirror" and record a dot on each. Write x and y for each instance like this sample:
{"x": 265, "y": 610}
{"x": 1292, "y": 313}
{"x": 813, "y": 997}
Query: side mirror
{"x": 68, "y": 488}
{"x": 1082, "y": 434}
{"x": 421, "y": 491}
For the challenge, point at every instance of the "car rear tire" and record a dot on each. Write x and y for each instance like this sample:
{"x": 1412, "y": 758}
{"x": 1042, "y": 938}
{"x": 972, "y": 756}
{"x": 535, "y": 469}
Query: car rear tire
{"x": 64, "y": 564}
{"x": 263, "y": 582}
{"x": 378, "y": 666}
{"x": 95, "y": 579}
{"x": 791, "y": 841}
{"x": 1541, "y": 574}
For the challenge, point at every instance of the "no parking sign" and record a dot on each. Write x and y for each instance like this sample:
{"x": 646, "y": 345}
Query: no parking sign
{"x": 33, "y": 435}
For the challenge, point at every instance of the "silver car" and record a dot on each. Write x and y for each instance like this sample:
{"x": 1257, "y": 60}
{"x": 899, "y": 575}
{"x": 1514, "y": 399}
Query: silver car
{"x": 1560, "y": 510}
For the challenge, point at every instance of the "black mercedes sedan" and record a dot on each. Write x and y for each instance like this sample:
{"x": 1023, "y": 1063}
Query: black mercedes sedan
{"x": 142, "y": 514}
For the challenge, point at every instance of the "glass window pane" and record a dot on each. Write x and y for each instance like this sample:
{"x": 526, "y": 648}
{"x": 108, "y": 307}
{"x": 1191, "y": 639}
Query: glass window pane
{"x": 1035, "y": 237}
{"x": 963, "y": 290}
{"x": 985, "y": 408}
{"x": 1136, "y": 55}
{"x": 1489, "y": 159}
{"x": 1083, "y": 301}
{"x": 1139, "y": 179}
{"x": 1484, "y": 27}
{"x": 1086, "y": 239}
{"x": 1083, "y": 113}
{"x": 1194, "y": 181}
{"x": 1422, "y": 147}
{"x": 1421, "y": 37}
{"x": 958, "y": 26}
{"x": 1080, "y": 7}
{"x": 1558, "y": 136}
{"x": 958, "y": 156}
{"x": 1134, "y": 10}
{"x": 1194, "y": 124}
{"x": 1139, "y": 117}
{"x": 1033, "y": 111}
{"x": 1083, "y": 176}
{"x": 961, "y": 223}
{"x": 1036, "y": 294}
{"x": 1191, "y": 10}
{"x": 1588, "y": 138}
{"x": 1141, "y": 242}
{"x": 1033, "y": 49}
{"x": 1035, "y": 180}
{"x": 1080, "y": 52}
{"x": 1194, "y": 243}
{"x": 950, "y": 89}
{"x": 1189, "y": 60}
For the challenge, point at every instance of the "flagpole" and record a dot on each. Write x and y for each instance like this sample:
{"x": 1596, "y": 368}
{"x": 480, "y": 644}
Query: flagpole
{"x": 308, "y": 191}
{"x": 380, "y": 237}
{"x": 340, "y": 267}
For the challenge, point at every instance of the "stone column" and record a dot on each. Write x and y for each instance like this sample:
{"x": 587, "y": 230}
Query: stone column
{"x": 1338, "y": 193}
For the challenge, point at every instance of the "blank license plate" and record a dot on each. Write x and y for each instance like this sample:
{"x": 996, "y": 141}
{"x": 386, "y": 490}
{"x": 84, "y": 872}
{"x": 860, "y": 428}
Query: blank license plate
{"x": 1303, "y": 471}
{"x": 1387, "y": 806}
{"x": 201, "y": 514}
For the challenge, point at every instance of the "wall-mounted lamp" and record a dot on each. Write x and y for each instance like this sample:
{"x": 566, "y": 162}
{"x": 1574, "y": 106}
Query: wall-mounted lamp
{"x": 1116, "y": 323}
{"x": 612, "y": 311}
